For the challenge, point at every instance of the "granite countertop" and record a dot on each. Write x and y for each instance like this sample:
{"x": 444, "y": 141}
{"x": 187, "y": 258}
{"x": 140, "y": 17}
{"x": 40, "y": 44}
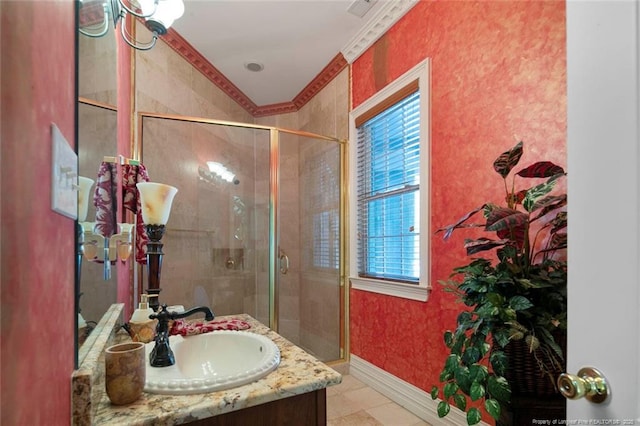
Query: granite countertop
{"x": 298, "y": 373}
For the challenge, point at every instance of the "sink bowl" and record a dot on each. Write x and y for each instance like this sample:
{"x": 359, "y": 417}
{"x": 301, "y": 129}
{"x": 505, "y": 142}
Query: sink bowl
{"x": 213, "y": 361}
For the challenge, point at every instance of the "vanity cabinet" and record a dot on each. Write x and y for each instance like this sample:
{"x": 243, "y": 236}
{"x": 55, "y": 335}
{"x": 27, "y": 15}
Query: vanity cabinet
{"x": 309, "y": 409}
{"x": 294, "y": 394}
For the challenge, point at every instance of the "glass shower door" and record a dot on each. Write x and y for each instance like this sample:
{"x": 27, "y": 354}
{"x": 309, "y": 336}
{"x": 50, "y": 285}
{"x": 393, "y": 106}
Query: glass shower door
{"x": 308, "y": 259}
{"x": 267, "y": 241}
{"x": 216, "y": 243}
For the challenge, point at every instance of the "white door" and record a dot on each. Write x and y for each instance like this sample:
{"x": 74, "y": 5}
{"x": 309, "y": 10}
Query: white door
{"x": 604, "y": 221}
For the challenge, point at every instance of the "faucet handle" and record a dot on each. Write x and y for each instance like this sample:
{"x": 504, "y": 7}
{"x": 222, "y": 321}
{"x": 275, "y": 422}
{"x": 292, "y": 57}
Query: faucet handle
{"x": 162, "y": 314}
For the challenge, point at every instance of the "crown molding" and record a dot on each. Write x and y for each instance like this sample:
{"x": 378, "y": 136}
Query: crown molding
{"x": 385, "y": 18}
{"x": 324, "y": 77}
{"x": 183, "y": 48}
{"x": 275, "y": 109}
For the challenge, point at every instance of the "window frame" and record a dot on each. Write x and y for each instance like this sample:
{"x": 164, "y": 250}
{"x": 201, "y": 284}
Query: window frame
{"x": 421, "y": 74}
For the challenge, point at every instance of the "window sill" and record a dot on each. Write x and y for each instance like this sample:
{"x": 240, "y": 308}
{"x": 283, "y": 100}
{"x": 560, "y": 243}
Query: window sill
{"x": 405, "y": 291}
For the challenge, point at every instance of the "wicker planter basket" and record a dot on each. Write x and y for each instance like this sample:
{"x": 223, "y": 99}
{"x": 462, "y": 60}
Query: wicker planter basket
{"x": 524, "y": 374}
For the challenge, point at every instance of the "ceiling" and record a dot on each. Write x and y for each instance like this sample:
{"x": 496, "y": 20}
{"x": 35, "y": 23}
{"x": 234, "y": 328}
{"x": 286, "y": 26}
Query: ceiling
{"x": 293, "y": 39}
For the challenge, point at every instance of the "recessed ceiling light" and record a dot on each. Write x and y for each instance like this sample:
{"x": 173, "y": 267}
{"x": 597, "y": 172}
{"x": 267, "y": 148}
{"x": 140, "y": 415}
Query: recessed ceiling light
{"x": 254, "y": 66}
{"x": 360, "y": 7}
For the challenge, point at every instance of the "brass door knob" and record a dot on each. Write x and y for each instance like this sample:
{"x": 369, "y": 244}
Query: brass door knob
{"x": 588, "y": 383}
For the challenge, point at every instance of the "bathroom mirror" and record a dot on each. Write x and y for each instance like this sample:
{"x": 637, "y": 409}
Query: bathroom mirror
{"x": 97, "y": 138}
{"x": 97, "y": 129}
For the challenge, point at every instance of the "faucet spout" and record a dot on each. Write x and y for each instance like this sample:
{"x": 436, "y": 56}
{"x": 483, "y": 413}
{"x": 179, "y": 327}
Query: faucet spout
{"x": 208, "y": 315}
{"x": 162, "y": 355}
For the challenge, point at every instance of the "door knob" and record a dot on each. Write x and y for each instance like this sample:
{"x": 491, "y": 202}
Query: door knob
{"x": 588, "y": 383}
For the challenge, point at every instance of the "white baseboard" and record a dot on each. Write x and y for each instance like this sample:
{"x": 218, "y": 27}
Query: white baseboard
{"x": 405, "y": 394}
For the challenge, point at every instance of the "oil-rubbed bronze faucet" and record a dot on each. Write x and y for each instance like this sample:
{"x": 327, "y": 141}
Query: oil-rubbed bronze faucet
{"x": 162, "y": 355}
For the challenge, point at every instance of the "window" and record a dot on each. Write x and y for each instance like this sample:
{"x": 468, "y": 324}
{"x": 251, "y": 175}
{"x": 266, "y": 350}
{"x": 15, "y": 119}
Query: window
{"x": 388, "y": 193}
{"x": 390, "y": 134}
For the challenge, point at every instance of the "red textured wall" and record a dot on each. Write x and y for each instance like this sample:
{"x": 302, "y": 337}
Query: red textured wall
{"x": 37, "y": 272}
{"x": 498, "y": 73}
{"x": 124, "y": 53}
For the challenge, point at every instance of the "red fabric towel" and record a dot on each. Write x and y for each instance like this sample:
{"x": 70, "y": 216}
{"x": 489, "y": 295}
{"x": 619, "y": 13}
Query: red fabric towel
{"x": 132, "y": 174}
{"x": 106, "y": 207}
{"x": 185, "y": 328}
{"x": 104, "y": 198}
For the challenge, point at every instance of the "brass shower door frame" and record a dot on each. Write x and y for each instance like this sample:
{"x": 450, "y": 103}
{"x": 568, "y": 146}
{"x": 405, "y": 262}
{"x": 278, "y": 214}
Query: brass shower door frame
{"x": 274, "y": 227}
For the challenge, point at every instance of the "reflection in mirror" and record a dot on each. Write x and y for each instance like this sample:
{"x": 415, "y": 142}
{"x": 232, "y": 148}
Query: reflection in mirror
{"x": 98, "y": 17}
{"x": 97, "y": 130}
{"x": 97, "y": 70}
{"x": 97, "y": 137}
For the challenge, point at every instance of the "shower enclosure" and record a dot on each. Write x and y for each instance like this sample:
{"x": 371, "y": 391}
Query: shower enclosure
{"x": 256, "y": 226}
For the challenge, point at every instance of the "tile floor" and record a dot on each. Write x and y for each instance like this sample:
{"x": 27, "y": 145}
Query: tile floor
{"x": 352, "y": 403}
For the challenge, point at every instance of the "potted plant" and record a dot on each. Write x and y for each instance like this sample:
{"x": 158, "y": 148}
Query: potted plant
{"x": 518, "y": 294}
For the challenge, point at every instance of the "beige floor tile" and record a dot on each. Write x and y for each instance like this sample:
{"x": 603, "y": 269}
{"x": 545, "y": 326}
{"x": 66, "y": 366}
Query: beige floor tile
{"x": 339, "y": 406}
{"x": 365, "y": 397}
{"x": 348, "y": 383}
{"x": 333, "y": 390}
{"x": 392, "y": 414}
{"x": 352, "y": 403}
{"x": 360, "y": 418}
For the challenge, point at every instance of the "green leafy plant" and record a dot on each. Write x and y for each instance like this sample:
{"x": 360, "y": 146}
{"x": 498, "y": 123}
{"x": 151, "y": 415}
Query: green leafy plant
{"x": 518, "y": 293}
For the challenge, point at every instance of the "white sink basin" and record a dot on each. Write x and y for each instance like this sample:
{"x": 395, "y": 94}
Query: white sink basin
{"x": 213, "y": 361}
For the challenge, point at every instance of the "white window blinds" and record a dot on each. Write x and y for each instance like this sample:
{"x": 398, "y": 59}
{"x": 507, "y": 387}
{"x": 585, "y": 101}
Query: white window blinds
{"x": 321, "y": 208}
{"x": 388, "y": 189}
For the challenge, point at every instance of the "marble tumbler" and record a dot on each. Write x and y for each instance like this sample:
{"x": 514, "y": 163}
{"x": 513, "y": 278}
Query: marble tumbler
{"x": 125, "y": 372}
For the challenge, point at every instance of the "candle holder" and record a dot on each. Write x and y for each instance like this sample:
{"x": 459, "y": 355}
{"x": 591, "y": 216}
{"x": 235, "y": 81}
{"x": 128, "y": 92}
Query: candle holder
{"x": 156, "y": 200}
{"x": 154, "y": 262}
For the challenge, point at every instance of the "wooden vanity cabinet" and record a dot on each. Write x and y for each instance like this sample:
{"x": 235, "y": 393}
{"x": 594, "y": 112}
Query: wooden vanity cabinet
{"x": 308, "y": 409}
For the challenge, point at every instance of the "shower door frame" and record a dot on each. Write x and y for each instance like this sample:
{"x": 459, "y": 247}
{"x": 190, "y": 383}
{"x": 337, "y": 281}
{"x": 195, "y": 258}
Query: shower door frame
{"x": 274, "y": 219}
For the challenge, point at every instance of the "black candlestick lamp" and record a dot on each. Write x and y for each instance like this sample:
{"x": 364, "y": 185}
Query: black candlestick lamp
{"x": 156, "y": 200}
